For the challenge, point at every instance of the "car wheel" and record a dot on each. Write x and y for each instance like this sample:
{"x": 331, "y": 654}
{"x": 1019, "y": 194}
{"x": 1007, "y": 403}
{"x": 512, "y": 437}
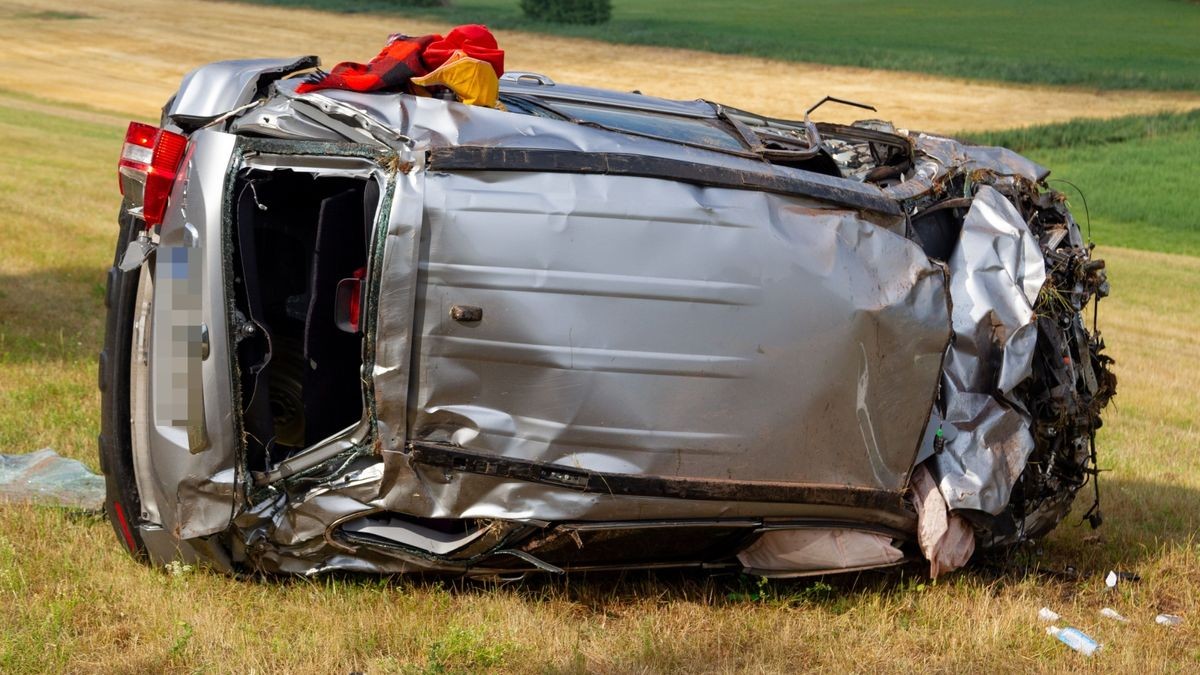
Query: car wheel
{"x": 122, "y": 504}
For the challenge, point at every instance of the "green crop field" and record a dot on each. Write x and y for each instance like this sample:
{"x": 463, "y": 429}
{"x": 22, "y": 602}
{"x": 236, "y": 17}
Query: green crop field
{"x": 72, "y": 601}
{"x": 1105, "y": 44}
{"x": 1137, "y": 175}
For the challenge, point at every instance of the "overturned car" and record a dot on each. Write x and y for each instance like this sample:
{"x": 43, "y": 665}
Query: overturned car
{"x": 583, "y": 330}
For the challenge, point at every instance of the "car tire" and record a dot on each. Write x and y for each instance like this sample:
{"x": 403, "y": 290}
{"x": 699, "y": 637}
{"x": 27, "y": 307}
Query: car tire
{"x": 122, "y": 504}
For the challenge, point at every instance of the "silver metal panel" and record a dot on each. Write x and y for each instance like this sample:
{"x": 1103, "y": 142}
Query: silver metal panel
{"x": 996, "y": 274}
{"x": 529, "y": 86}
{"x": 197, "y": 482}
{"x": 397, "y": 279}
{"x": 217, "y": 88}
{"x": 433, "y": 122}
{"x": 628, "y": 322}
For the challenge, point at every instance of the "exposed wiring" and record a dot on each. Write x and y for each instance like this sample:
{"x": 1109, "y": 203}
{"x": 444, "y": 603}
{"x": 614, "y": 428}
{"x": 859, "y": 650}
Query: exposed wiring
{"x": 1086, "y": 213}
{"x": 1091, "y": 243}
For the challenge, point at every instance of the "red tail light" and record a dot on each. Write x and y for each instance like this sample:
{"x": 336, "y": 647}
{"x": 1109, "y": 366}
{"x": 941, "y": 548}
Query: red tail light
{"x": 347, "y": 306}
{"x": 149, "y": 163}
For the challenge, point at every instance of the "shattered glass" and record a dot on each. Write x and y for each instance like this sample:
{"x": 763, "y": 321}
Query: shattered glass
{"x": 44, "y": 477}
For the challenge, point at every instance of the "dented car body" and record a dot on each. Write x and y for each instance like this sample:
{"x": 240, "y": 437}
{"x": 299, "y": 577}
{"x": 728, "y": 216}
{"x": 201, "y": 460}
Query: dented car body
{"x": 595, "y": 330}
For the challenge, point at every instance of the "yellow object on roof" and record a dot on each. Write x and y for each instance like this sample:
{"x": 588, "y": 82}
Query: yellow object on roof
{"x": 472, "y": 80}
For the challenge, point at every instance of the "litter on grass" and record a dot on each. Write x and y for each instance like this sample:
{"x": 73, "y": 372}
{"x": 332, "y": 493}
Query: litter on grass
{"x": 1048, "y": 615}
{"x": 1168, "y": 620}
{"x": 44, "y": 477}
{"x": 1113, "y": 614}
{"x": 1114, "y": 577}
{"x": 1075, "y": 639}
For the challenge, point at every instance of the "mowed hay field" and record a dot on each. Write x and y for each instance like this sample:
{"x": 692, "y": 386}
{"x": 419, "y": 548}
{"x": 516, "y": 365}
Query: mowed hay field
{"x": 71, "y": 600}
{"x": 128, "y": 55}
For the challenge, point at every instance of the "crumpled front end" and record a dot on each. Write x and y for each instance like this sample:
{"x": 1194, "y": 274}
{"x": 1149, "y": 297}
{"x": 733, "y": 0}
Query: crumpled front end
{"x": 1012, "y": 437}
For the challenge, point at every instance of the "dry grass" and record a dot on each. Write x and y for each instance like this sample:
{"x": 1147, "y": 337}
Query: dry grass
{"x": 128, "y": 55}
{"x": 70, "y": 600}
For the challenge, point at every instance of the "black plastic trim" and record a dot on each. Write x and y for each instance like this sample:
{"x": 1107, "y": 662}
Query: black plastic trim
{"x": 115, "y": 438}
{"x": 628, "y": 485}
{"x": 767, "y": 179}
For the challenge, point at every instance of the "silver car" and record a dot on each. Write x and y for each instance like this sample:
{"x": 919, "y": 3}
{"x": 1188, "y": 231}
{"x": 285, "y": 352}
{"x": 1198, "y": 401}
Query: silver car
{"x": 594, "y": 330}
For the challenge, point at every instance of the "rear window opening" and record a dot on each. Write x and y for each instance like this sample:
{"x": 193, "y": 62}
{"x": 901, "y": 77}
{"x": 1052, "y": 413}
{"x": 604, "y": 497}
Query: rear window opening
{"x": 295, "y": 237}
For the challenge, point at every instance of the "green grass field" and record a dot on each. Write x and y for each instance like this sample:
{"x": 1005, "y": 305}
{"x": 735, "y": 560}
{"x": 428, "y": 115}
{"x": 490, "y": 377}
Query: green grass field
{"x": 1137, "y": 175}
{"x": 1105, "y": 44}
{"x": 72, "y": 601}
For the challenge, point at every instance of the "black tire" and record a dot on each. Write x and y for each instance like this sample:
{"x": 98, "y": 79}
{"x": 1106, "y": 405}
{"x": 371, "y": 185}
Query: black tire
{"x": 122, "y": 504}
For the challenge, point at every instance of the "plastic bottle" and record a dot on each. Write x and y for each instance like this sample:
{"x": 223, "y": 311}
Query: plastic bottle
{"x": 1075, "y": 639}
{"x": 1113, "y": 614}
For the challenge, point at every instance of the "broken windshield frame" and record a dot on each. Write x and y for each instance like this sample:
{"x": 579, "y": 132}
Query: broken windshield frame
{"x": 772, "y": 138}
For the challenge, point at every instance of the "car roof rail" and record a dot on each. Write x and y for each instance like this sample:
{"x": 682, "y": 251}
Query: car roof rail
{"x": 523, "y": 77}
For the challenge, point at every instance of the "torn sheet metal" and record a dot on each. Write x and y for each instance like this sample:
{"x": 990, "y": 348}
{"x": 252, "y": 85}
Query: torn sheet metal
{"x": 953, "y": 155}
{"x": 996, "y": 274}
{"x": 937, "y": 160}
{"x": 217, "y": 88}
